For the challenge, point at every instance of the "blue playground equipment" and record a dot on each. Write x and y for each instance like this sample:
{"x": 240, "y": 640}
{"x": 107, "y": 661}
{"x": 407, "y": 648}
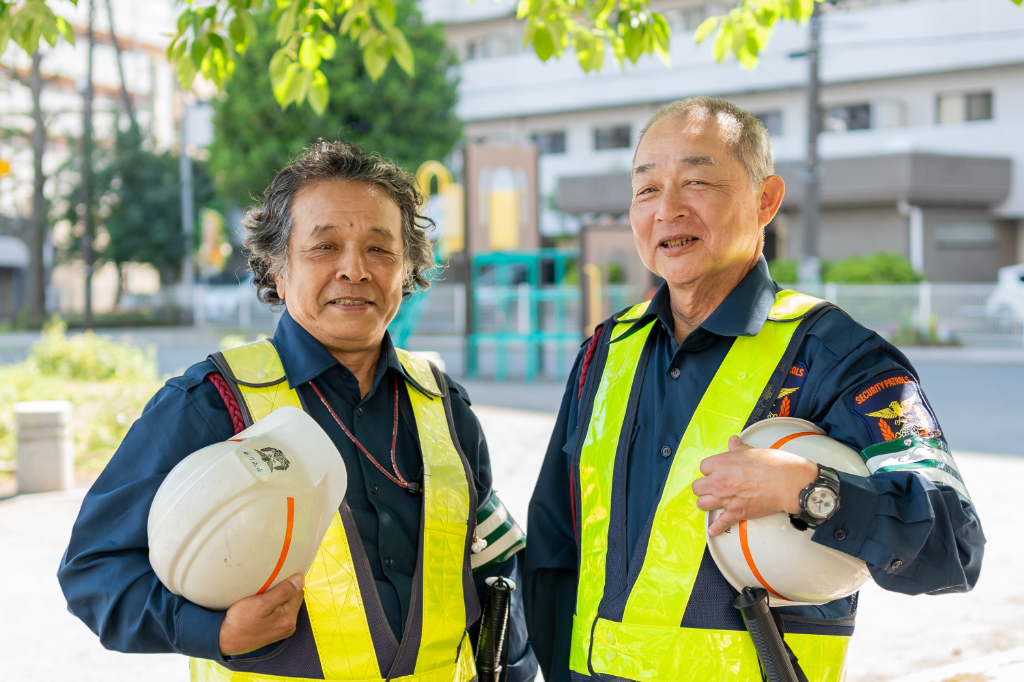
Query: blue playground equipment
{"x": 522, "y": 302}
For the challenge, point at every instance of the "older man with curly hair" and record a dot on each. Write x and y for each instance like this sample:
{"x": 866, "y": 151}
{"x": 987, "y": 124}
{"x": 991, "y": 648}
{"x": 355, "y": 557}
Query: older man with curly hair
{"x": 337, "y": 241}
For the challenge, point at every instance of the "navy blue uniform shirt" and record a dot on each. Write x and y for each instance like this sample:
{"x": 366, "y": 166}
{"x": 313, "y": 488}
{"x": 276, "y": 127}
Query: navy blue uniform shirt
{"x": 915, "y": 537}
{"x": 106, "y": 575}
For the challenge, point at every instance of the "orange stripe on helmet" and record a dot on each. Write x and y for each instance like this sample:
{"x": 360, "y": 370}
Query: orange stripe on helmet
{"x": 752, "y": 565}
{"x": 284, "y": 549}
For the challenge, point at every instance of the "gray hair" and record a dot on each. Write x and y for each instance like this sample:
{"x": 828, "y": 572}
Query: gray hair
{"x": 746, "y": 136}
{"x": 269, "y": 223}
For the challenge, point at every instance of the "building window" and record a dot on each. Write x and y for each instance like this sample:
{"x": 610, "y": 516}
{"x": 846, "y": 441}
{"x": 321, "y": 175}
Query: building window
{"x": 966, "y": 236}
{"x": 957, "y": 107}
{"x": 685, "y": 19}
{"x": 614, "y": 137}
{"x": 485, "y": 47}
{"x": 848, "y": 117}
{"x": 549, "y": 143}
{"x": 772, "y": 121}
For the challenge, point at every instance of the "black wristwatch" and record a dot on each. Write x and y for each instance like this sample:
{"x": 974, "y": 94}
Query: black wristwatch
{"x": 818, "y": 501}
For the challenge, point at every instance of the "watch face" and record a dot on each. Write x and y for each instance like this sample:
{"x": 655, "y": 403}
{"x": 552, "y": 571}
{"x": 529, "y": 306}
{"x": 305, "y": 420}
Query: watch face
{"x": 821, "y": 502}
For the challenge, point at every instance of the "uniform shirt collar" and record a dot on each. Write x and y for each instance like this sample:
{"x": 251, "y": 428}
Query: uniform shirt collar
{"x": 304, "y": 358}
{"x": 742, "y": 313}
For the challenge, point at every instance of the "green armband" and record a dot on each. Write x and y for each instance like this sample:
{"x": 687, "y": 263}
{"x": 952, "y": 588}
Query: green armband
{"x": 497, "y": 536}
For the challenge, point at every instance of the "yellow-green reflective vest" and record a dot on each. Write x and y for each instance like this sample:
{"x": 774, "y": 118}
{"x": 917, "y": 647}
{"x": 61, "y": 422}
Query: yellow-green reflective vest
{"x": 342, "y": 633}
{"x": 629, "y": 621}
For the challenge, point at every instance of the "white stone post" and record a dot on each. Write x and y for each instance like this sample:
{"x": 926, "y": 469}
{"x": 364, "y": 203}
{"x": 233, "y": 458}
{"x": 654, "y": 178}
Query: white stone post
{"x": 46, "y": 455}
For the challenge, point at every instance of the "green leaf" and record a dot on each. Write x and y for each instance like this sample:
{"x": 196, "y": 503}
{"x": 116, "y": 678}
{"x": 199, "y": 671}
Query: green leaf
{"x": 376, "y": 56}
{"x": 183, "y": 19}
{"x": 706, "y": 28}
{"x": 309, "y": 57}
{"x": 284, "y": 86}
{"x": 236, "y": 29}
{"x": 65, "y": 30}
{"x": 319, "y": 92}
{"x": 401, "y": 50}
{"x": 724, "y": 41}
{"x": 279, "y": 64}
{"x": 199, "y": 48}
{"x": 48, "y": 25}
{"x": 298, "y": 87}
{"x": 286, "y": 22}
{"x": 543, "y": 43}
{"x": 184, "y": 65}
{"x": 326, "y": 45}
{"x": 385, "y": 13}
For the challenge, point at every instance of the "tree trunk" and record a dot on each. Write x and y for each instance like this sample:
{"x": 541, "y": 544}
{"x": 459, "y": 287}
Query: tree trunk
{"x": 85, "y": 196}
{"x": 37, "y": 229}
{"x": 120, "y": 68}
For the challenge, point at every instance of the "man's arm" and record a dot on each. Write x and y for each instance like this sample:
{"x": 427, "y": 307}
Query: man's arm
{"x": 549, "y": 575}
{"x": 522, "y": 664}
{"x": 105, "y": 573}
{"x": 911, "y": 520}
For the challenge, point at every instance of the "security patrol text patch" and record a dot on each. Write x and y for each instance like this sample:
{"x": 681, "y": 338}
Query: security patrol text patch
{"x": 892, "y": 406}
{"x": 789, "y": 394}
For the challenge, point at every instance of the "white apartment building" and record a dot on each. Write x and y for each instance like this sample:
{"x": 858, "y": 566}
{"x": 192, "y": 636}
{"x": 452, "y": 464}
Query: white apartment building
{"x": 924, "y": 102}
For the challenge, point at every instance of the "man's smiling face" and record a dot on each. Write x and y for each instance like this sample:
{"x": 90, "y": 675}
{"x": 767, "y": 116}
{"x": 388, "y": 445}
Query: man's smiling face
{"x": 694, "y": 213}
{"x": 345, "y": 269}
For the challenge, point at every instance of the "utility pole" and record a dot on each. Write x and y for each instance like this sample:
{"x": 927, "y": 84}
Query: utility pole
{"x": 810, "y": 264}
{"x": 37, "y": 236}
{"x": 85, "y": 200}
{"x": 187, "y": 210}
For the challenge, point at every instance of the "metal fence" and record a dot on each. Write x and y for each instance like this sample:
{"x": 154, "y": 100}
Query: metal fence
{"x": 954, "y": 314}
{"x": 232, "y": 306}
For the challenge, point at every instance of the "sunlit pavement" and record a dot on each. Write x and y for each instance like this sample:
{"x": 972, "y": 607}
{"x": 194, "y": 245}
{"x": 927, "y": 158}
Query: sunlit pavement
{"x": 896, "y": 635}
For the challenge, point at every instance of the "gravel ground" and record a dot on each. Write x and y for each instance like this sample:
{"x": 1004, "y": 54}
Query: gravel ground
{"x": 896, "y": 635}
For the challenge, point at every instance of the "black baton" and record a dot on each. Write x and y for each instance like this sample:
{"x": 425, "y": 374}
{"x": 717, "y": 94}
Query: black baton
{"x": 490, "y": 648}
{"x": 753, "y": 606}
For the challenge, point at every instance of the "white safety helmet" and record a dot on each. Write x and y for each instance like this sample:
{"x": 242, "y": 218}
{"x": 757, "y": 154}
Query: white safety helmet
{"x": 769, "y": 552}
{"x": 236, "y": 518}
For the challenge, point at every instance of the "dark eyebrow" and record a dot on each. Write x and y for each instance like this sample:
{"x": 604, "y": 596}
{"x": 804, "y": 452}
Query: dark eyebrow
{"x": 321, "y": 228}
{"x": 380, "y": 231}
{"x": 698, "y": 161}
{"x": 687, "y": 161}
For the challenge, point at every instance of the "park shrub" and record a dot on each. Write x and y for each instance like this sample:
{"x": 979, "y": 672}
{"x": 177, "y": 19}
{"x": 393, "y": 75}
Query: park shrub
{"x": 882, "y": 267}
{"x": 107, "y": 382}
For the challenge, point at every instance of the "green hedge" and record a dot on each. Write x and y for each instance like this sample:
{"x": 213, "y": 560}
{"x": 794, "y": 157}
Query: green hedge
{"x": 107, "y": 382}
{"x": 882, "y": 267}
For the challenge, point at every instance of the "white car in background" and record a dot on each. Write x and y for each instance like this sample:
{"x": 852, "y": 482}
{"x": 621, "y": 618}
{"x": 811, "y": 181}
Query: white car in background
{"x": 1006, "y": 303}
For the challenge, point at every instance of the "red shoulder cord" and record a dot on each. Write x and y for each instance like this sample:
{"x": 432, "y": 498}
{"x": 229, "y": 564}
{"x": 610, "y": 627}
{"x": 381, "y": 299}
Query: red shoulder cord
{"x": 584, "y": 368}
{"x": 229, "y": 401}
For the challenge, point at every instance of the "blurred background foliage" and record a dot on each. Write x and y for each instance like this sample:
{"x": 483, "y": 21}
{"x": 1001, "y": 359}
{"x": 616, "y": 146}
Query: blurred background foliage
{"x": 883, "y": 267}
{"x": 107, "y": 382}
{"x": 412, "y": 119}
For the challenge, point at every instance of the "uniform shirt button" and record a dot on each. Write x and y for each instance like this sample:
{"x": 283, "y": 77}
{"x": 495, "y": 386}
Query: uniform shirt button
{"x": 666, "y": 451}
{"x": 373, "y": 488}
{"x": 359, "y": 412}
{"x": 896, "y": 564}
{"x": 674, "y": 373}
{"x": 840, "y": 534}
{"x": 388, "y": 562}
{"x": 345, "y": 374}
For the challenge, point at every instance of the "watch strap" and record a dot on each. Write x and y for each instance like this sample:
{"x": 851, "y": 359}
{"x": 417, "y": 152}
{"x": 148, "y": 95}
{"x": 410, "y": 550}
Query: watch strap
{"x": 827, "y": 478}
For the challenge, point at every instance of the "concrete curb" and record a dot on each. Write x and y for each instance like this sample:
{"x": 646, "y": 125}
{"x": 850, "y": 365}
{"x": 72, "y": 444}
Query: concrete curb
{"x": 999, "y": 667}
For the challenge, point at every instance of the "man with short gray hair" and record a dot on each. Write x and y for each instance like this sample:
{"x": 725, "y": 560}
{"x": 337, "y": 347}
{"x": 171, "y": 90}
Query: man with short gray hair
{"x": 647, "y": 439}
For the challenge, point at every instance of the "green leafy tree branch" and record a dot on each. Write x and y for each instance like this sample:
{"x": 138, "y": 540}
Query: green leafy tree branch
{"x": 212, "y": 34}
